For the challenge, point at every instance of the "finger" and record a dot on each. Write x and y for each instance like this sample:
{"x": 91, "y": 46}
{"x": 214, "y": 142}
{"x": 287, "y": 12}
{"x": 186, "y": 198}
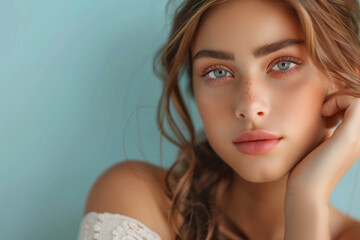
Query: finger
{"x": 335, "y": 104}
{"x": 334, "y": 120}
{"x": 350, "y": 105}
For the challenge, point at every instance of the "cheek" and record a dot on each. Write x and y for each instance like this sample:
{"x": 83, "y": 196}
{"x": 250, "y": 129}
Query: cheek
{"x": 301, "y": 100}
{"x": 303, "y": 104}
{"x": 304, "y": 123}
{"x": 215, "y": 111}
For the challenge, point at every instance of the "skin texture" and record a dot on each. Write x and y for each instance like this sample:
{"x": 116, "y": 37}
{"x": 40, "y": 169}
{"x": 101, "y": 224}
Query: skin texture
{"x": 253, "y": 94}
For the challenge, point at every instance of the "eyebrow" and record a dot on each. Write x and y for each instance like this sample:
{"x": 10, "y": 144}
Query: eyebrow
{"x": 258, "y": 52}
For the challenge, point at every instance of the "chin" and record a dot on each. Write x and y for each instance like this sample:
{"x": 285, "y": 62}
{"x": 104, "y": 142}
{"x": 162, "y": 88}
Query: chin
{"x": 270, "y": 170}
{"x": 266, "y": 178}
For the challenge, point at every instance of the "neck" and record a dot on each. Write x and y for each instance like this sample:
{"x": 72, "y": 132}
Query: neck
{"x": 252, "y": 205}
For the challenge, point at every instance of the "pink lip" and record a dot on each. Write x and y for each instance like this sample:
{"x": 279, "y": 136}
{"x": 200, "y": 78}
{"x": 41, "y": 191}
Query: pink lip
{"x": 256, "y": 142}
{"x": 257, "y": 147}
{"x": 255, "y": 135}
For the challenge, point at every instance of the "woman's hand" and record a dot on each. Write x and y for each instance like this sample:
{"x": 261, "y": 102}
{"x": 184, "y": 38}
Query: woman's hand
{"x": 319, "y": 172}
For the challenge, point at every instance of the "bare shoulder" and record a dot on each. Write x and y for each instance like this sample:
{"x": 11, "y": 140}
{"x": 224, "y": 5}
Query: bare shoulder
{"x": 343, "y": 226}
{"x": 135, "y": 189}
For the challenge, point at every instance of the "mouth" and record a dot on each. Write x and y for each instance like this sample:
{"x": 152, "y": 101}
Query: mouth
{"x": 257, "y": 147}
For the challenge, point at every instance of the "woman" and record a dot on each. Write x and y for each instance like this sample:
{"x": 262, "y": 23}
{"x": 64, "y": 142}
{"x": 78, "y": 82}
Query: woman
{"x": 271, "y": 81}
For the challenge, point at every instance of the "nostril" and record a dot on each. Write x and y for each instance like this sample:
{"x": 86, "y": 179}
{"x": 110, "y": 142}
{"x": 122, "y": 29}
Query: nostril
{"x": 241, "y": 115}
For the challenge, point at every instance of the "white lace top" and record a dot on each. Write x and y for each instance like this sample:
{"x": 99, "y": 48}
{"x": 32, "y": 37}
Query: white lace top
{"x": 111, "y": 226}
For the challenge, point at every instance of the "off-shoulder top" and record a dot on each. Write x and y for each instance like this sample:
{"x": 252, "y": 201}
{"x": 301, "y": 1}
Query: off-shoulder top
{"x": 112, "y": 226}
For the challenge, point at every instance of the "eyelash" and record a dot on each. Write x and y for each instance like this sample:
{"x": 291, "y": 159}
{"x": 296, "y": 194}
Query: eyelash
{"x": 283, "y": 73}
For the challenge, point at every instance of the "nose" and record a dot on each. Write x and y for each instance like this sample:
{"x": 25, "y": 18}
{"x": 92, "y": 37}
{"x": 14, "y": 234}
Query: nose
{"x": 252, "y": 99}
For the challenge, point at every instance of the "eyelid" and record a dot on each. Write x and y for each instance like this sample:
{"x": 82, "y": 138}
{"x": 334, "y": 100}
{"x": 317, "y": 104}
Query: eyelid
{"x": 214, "y": 67}
{"x": 296, "y": 60}
{"x": 292, "y": 59}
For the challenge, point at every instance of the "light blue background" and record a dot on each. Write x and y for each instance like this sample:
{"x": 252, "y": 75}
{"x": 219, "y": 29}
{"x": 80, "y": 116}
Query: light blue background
{"x": 78, "y": 95}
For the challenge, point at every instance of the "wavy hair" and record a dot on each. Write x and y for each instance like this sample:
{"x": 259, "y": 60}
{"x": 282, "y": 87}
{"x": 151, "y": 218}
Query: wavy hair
{"x": 331, "y": 32}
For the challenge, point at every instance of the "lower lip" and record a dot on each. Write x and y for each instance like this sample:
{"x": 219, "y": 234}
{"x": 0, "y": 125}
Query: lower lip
{"x": 257, "y": 147}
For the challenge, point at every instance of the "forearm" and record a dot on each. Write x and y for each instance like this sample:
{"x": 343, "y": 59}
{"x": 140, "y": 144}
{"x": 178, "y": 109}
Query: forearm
{"x": 306, "y": 217}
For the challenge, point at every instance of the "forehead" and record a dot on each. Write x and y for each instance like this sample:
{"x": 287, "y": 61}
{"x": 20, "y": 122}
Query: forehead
{"x": 242, "y": 25}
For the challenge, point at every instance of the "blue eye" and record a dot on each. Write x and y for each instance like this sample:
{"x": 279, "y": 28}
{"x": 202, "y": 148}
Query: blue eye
{"x": 283, "y": 66}
{"x": 219, "y": 73}
{"x": 216, "y": 75}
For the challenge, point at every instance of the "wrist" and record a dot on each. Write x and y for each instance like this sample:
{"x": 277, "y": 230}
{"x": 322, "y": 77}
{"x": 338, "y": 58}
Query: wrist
{"x": 309, "y": 193}
{"x": 306, "y": 217}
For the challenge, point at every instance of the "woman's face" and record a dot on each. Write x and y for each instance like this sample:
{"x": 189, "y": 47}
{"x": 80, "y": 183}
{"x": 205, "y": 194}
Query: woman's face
{"x": 279, "y": 91}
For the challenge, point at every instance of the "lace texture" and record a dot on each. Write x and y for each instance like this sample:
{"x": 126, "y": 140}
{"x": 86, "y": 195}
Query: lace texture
{"x": 111, "y": 226}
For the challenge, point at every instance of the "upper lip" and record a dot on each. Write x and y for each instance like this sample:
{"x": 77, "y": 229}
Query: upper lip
{"x": 255, "y": 135}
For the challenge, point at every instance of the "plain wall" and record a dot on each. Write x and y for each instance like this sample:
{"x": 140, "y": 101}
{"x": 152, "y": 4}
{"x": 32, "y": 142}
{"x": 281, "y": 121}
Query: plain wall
{"x": 78, "y": 95}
